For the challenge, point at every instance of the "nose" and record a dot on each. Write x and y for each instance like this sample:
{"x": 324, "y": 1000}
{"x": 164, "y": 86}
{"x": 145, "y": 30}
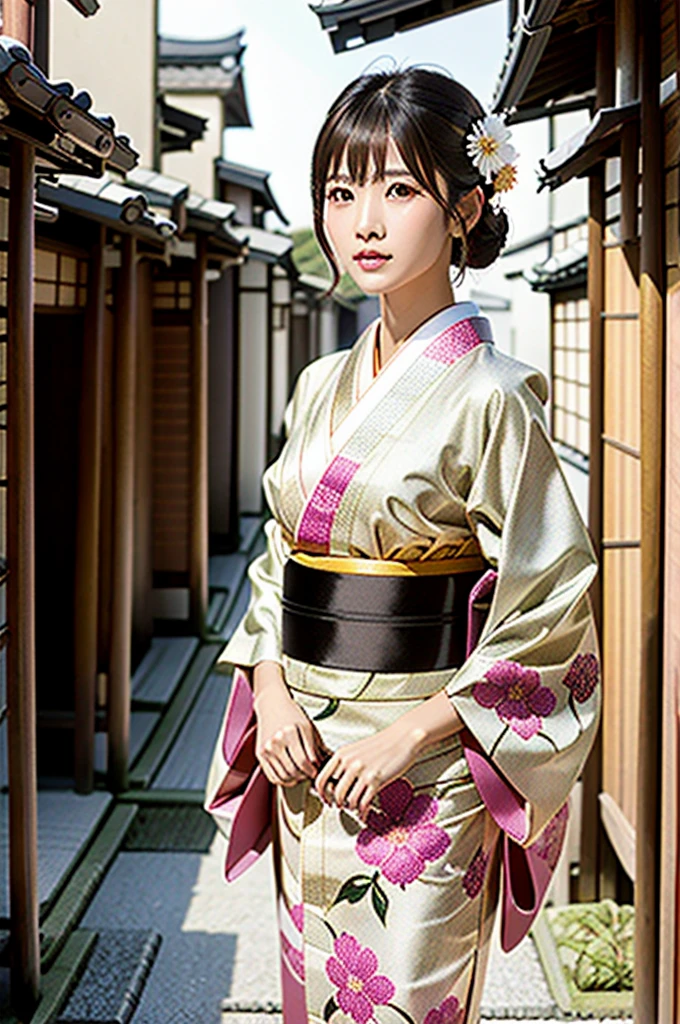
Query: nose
{"x": 370, "y": 222}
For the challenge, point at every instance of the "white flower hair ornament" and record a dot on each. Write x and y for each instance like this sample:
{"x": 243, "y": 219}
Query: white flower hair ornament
{"x": 490, "y": 151}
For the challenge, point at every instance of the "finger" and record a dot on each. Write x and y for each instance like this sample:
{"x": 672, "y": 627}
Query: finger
{"x": 365, "y": 802}
{"x": 346, "y": 781}
{"x": 299, "y": 754}
{"x": 272, "y": 770}
{"x": 307, "y": 741}
{"x": 355, "y": 794}
{"x": 290, "y": 766}
{"x": 324, "y": 777}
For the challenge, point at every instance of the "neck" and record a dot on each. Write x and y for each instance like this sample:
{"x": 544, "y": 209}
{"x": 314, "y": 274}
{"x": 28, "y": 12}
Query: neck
{"x": 404, "y": 310}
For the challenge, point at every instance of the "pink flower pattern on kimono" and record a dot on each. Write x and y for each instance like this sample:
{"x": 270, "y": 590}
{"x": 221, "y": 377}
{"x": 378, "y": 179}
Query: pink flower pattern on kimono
{"x": 548, "y": 846}
{"x": 402, "y": 837}
{"x": 473, "y": 879}
{"x": 353, "y": 971}
{"x": 517, "y": 695}
{"x": 449, "y": 1012}
{"x": 295, "y": 955}
{"x": 582, "y": 677}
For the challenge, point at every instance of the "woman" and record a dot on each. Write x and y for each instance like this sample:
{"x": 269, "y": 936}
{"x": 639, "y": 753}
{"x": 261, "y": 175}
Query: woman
{"x": 417, "y": 488}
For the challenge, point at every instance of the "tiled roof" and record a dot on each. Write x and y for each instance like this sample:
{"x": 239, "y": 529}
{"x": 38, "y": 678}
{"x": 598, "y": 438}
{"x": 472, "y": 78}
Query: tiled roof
{"x": 160, "y": 188}
{"x": 105, "y": 200}
{"x": 179, "y": 129}
{"x": 196, "y": 78}
{"x": 200, "y": 51}
{"x": 203, "y": 214}
{"x": 251, "y": 178}
{"x": 551, "y": 56}
{"x": 68, "y": 135}
{"x": 565, "y": 267}
{"x": 268, "y": 245}
{"x": 353, "y": 22}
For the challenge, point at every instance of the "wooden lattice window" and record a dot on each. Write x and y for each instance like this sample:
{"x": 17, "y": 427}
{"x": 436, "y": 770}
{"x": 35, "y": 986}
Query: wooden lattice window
{"x": 571, "y": 371}
{"x": 171, "y": 293}
{"x": 60, "y": 280}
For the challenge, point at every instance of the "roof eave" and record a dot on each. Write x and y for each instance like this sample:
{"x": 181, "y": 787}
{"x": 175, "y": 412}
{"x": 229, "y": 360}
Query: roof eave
{"x": 526, "y": 48}
{"x": 59, "y": 124}
{"x": 587, "y": 147}
{"x": 369, "y": 21}
{"x": 113, "y": 214}
{"x": 85, "y": 7}
{"x": 251, "y": 178}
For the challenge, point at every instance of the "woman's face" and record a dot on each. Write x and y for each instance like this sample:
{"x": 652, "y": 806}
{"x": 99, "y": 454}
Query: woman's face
{"x": 388, "y": 231}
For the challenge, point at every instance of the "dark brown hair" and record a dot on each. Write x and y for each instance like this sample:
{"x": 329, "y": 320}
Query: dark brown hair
{"x": 428, "y": 115}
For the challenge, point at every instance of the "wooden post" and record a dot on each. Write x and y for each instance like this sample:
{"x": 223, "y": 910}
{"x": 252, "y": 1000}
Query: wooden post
{"x": 626, "y": 91}
{"x": 647, "y": 831}
{"x": 87, "y": 530}
{"x": 21, "y": 702}
{"x": 198, "y": 569}
{"x": 590, "y": 845}
{"x": 589, "y": 863}
{"x": 123, "y": 517}
{"x": 17, "y": 21}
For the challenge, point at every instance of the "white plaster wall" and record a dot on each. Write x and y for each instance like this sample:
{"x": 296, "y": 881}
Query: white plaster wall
{"x": 242, "y": 198}
{"x": 571, "y": 200}
{"x": 280, "y": 353}
{"x": 197, "y": 166}
{"x": 111, "y": 56}
{"x": 252, "y": 393}
{"x": 328, "y": 328}
{"x": 528, "y": 210}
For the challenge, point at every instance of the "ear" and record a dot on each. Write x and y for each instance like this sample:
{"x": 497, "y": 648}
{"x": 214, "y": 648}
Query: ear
{"x": 470, "y": 207}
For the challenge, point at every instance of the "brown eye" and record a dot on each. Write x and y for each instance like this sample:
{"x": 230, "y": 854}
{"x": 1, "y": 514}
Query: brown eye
{"x": 400, "y": 190}
{"x": 339, "y": 195}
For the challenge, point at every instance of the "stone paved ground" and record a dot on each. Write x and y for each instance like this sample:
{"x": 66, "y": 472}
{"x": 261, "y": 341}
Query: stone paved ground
{"x": 219, "y": 942}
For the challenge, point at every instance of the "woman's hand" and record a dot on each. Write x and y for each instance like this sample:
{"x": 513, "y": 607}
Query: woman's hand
{"x": 356, "y": 773}
{"x": 288, "y": 745}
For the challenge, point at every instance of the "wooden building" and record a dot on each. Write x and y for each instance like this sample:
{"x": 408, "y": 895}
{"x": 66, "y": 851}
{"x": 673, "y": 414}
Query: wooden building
{"x": 623, "y": 58}
{"x": 48, "y": 128}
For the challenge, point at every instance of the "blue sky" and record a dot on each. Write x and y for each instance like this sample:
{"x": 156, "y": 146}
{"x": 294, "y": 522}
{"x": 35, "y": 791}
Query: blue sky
{"x": 292, "y": 75}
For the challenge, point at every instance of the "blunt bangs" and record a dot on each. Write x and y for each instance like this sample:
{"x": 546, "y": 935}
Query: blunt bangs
{"x": 359, "y": 138}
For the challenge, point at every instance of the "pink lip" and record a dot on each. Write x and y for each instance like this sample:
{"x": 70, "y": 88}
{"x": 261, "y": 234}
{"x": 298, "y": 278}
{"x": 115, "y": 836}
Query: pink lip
{"x": 370, "y": 259}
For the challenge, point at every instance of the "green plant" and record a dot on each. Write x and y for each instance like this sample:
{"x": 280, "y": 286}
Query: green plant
{"x": 599, "y": 938}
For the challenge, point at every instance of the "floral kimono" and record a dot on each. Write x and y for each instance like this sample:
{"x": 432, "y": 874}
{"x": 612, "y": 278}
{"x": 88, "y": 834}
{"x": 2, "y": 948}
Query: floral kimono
{"x": 442, "y": 452}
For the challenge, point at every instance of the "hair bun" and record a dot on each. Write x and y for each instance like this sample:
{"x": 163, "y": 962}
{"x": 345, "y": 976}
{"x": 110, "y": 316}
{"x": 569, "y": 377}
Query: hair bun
{"x": 488, "y": 237}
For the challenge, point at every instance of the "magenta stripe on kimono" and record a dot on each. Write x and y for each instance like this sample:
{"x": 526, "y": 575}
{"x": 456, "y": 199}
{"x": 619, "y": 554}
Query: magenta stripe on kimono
{"x": 452, "y": 343}
{"x": 317, "y": 520}
{"x": 316, "y": 523}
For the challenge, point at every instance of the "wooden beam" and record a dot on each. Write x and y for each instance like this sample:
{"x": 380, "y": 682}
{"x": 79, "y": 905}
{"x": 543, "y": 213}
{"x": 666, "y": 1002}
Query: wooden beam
{"x": 648, "y": 836}
{"x": 589, "y": 864}
{"x": 88, "y": 519}
{"x": 198, "y": 567}
{"x": 21, "y": 700}
{"x": 125, "y": 357}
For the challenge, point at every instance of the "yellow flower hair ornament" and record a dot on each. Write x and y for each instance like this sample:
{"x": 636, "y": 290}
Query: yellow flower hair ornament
{"x": 491, "y": 152}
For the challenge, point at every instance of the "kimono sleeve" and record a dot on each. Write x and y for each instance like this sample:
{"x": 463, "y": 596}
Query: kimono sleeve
{"x": 529, "y": 691}
{"x": 258, "y": 635}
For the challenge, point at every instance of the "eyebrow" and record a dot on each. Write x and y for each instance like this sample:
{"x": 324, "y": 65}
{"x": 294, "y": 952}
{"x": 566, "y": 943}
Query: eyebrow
{"x": 390, "y": 172}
